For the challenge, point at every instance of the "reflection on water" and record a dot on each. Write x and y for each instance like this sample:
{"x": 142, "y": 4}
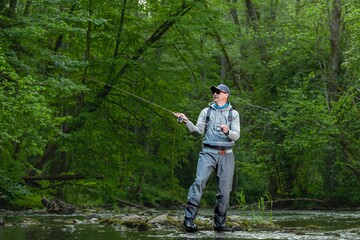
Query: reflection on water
{"x": 304, "y": 225}
{"x": 326, "y": 220}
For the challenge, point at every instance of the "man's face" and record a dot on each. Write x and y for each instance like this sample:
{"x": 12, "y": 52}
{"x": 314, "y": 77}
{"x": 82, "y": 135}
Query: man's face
{"x": 220, "y": 96}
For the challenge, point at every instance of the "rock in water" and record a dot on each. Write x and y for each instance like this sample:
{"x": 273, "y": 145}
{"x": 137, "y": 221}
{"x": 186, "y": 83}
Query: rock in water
{"x": 57, "y": 206}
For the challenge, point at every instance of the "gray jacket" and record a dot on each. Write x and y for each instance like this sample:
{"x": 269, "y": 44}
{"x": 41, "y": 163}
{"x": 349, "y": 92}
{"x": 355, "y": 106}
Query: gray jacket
{"x": 214, "y": 136}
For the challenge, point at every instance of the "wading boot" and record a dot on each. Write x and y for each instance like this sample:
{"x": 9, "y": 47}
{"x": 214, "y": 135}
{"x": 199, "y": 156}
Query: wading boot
{"x": 189, "y": 226}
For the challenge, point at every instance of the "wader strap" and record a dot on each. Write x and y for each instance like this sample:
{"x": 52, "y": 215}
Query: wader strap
{"x": 207, "y": 119}
{"x": 230, "y": 117}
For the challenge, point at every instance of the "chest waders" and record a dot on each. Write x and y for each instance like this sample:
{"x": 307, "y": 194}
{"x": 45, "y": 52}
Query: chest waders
{"x": 222, "y": 161}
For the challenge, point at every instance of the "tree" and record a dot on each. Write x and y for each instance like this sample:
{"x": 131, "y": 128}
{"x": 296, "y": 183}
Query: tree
{"x": 87, "y": 89}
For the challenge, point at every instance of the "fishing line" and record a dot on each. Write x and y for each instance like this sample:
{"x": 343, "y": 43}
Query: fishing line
{"x": 134, "y": 95}
{"x": 180, "y": 120}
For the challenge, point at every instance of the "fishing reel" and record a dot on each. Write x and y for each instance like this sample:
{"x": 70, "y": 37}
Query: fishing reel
{"x": 180, "y": 120}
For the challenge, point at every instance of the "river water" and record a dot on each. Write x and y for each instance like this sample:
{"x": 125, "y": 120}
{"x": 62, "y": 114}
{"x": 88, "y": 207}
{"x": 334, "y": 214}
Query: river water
{"x": 304, "y": 225}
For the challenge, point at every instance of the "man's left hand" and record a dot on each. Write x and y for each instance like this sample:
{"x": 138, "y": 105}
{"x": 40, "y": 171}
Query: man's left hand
{"x": 224, "y": 129}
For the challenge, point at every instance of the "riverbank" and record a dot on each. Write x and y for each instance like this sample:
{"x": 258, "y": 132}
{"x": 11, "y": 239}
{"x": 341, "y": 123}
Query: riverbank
{"x": 131, "y": 223}
{"x": 136, "y": 219}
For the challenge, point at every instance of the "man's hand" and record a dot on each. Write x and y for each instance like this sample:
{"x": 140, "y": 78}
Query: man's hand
{"x": 181, "y": 117}
{"x": 224, "y": 129}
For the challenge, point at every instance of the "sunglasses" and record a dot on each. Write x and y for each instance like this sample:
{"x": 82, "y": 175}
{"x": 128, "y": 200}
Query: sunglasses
{"x": 218, "y": 92}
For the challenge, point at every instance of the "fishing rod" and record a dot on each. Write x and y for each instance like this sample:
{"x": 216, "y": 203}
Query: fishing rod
{"x": 179, "y": 118}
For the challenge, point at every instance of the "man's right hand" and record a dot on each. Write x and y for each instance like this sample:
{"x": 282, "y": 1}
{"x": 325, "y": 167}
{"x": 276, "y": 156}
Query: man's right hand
{"x": 181, "y": 117}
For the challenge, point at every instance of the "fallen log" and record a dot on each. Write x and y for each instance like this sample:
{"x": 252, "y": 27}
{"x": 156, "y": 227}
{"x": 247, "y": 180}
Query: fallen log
{"x": 271, "y": 204}
{"x": 131, "y": 204}
{"x": 324, "y": 203}
{"x": 57, "y": 178}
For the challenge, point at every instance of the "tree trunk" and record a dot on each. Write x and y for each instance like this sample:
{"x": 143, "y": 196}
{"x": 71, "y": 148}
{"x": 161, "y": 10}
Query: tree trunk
{"x": 227, "y": 65}
{"x": 57, "y": 178}
{"x": 236, "y": 72}
{"x": 334, "y": 60}
{"x": 87, "y": 54}
{"x": 234, "y": 14}
{"x": 121, "y": 25}
{"x": 2, "y": 5}
{"x": 254, "y": 22}
{"x": 61, "y": 163}
{"x": 253, "y": 18}
{"x": 13, "y": 5}
{"x": 331, "y": 86}
{"x": 27, "y": 7}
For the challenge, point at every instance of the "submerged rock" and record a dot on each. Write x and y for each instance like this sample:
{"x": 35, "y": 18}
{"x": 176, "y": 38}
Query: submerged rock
{"x": 164, "y": 219}
{"x": 140, "y": 225}
{"x": 68, "y": 228}
{"x": 28, "y": 221}
{"x": 312, "y": 227}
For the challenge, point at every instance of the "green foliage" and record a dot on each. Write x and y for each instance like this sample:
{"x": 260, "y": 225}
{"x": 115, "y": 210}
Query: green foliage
{"x": 11, "y": 188}
{"x": 90, "y": 193}
{"x": 240, "y": 197}
{"x": 86, "y": 90}
{"x": 30, "y": 201}
{"x": 352, "y": 22}
{"x": 258, "y": 210}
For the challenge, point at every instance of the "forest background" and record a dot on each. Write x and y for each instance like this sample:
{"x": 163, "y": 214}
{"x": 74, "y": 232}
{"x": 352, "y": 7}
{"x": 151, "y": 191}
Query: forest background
{"x": 72, "y": 128}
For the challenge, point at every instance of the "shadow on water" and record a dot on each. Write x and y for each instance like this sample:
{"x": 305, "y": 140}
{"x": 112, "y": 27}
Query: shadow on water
{"x": 306, "y": 225}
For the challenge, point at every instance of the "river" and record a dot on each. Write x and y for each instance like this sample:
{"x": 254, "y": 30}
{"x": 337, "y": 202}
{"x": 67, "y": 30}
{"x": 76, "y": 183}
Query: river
{"x": 304, "y": 225}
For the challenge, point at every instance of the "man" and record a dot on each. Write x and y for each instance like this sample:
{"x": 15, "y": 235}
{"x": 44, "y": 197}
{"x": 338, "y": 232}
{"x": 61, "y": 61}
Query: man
{"x": 221, "y": 125}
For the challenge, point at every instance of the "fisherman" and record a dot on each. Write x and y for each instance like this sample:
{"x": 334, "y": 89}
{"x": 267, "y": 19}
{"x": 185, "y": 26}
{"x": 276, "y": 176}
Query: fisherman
{"x": 221, "y": 125}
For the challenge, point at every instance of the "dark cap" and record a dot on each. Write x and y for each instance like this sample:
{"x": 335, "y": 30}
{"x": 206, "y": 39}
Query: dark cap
{"x": 221, "y": 87}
